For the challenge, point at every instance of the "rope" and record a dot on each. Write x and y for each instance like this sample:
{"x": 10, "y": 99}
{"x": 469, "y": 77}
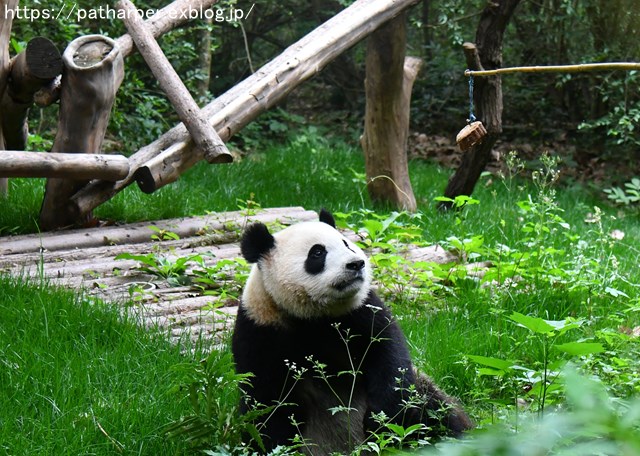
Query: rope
{"x": 583, "y": 67}
{"x": 472, "y": 118}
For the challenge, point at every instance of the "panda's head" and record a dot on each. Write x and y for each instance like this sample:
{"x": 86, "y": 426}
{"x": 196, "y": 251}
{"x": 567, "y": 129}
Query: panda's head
{"x": 308, "y": 270}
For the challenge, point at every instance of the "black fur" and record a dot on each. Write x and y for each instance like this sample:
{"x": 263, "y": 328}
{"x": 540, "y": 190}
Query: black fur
{"x": 374, "y": 339}
{"x": 327, "y": 217}
{"x": 256, "y": 242}
{"x": 316, "y": 258}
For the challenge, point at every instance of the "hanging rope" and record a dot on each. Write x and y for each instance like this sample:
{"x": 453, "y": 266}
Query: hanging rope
{"x": 583, "y": 67}
{"x": 471, "y": 118}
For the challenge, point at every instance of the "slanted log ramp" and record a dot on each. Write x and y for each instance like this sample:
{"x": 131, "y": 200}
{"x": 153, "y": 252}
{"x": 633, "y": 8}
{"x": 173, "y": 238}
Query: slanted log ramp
{"x": 85, "y": 260}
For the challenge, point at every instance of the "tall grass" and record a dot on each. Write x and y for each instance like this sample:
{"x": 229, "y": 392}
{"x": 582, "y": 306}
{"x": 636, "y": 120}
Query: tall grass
{"x": 77, "y": 378}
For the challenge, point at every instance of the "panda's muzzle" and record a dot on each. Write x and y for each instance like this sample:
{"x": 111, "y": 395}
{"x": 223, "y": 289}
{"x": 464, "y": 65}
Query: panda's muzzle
{"x": 354, "y": 274}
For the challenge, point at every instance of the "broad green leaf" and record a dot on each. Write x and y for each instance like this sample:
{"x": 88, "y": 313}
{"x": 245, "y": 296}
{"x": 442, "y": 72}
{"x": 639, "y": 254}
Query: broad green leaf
{"x": 534, "y": 324}
{"x": 491, "y": 372}
{"x": 398, "y": 430}
{"x": 580, "y": 348}
{"x": 496, "y": 363}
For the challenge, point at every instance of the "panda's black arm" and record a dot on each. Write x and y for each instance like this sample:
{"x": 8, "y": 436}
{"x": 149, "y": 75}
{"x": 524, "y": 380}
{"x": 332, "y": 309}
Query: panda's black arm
{"x": 387, "y": 367}
{"x": 256, "y": 350}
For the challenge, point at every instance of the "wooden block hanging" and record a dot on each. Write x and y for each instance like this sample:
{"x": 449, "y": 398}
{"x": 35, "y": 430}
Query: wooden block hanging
{"x": 470, "y": 135}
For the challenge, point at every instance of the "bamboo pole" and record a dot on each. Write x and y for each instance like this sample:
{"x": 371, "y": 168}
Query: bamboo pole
{"x": 580, "y": 68}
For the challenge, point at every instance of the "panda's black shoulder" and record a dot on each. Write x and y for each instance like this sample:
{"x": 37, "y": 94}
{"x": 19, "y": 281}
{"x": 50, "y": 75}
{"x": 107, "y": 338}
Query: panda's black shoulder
{"x": 372, "y": 313}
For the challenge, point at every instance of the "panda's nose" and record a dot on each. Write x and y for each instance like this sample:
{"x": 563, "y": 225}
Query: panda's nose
{"x": 355, "y": 265}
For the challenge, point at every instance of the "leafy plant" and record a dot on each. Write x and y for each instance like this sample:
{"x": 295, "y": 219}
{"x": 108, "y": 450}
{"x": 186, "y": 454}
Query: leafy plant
{"x": 174, "y": 270}
{"x": 225, "y": 278}
{"x": 628, "y": 195}
{"x": 540, "y": 379}
{"x": 212, "y": 388}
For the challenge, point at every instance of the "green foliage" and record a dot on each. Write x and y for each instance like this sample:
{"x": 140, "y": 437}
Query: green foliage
{"x": 212, "y": 389}
{"x": 594, "y": 423}
{"x": 540, "y": 379}
{"x": 630, "y": 195}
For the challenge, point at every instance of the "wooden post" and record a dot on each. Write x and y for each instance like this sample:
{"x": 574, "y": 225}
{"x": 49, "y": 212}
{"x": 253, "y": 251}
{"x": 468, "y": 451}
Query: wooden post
{"x": 35, "y": 67}
{"x": 386, "y": 122}
{"x": 6, "y": 19}
{"x": 93, "y": 71}
{"x": 487, "y": 95}
{"x": 269, "y": 85}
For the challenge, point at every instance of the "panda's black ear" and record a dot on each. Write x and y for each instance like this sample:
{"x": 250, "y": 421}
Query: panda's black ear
{"x": 256, "y": 242}
{"x": 327, "y": 217}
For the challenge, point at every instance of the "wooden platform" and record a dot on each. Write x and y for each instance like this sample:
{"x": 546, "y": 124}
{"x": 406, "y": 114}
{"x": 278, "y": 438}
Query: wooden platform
{"x": 85, "y": 260}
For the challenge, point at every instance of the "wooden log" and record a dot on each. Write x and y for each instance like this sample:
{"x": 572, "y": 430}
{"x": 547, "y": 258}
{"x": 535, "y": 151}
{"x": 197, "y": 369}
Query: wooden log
{"x": 6, "y": 19}
{"x": 48, "y": 94}
{"x": 386, "y": 121}
{"x": 63, "y": 165}
{"x": 140, "y": 232}
{"x": 93, "y": 71}
{"x": 230, "y": 112}
{"x": 487, "y": 95}
{"x": 35, "y": 67}
{"x": 202, "y": 133}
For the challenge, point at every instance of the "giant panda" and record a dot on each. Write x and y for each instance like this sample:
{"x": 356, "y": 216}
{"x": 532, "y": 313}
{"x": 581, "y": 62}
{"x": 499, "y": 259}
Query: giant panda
{"x": 323, "y": 350}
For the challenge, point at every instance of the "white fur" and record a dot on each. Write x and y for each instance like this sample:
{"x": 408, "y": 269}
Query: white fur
{"x": 282, "y": 275}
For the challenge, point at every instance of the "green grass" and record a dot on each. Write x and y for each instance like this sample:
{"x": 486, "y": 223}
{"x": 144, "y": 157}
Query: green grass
{"x": 76, "y": 378}
{"x": 444, "y": 326}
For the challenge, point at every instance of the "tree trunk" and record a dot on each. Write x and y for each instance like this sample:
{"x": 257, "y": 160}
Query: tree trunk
{"x": 93, "y": 71}
{"x": 203, "y": 49}
{"x": 386, "y": 122}
{"x": 6, "y": 19}
{"x": 487, "y": 95}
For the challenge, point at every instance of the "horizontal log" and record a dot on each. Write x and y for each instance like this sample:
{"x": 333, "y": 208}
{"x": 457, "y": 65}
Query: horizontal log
{"x": 140, "y": 232}
{"x": 65, "y": 165}
{"x": 230, "y": 112}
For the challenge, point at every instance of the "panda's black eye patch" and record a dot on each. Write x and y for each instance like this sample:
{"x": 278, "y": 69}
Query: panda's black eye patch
{"x": 314, "y": 264}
